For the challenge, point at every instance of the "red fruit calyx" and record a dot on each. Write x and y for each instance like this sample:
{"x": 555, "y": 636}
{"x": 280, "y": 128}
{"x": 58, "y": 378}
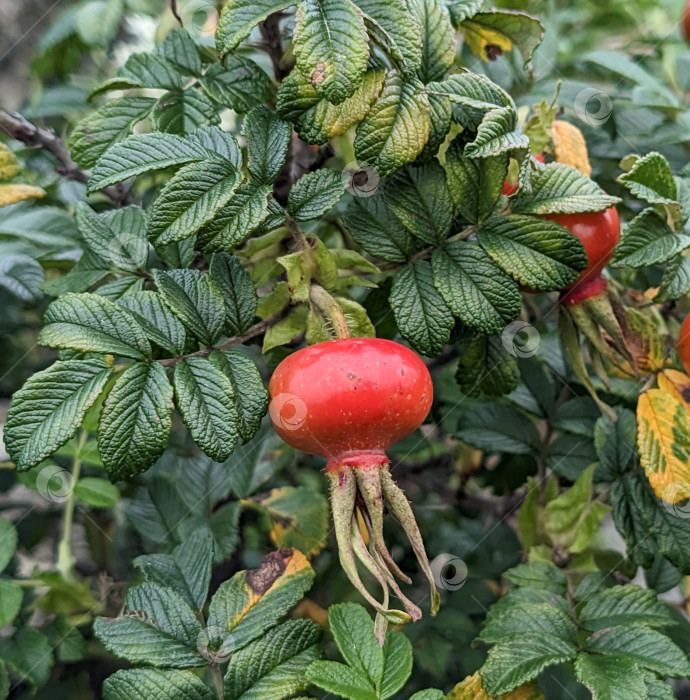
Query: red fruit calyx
{"x": 349, "y": 400}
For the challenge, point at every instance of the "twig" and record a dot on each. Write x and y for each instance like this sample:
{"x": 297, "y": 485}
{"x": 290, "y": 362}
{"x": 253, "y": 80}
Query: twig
{"x": 273, "y": 44}
{"x": 176, "y": 14}
{"x": 255, "y": 330}
{"x": 19, "y": 128}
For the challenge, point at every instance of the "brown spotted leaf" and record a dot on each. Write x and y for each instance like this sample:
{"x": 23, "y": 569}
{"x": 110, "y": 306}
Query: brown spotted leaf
{"x": 675, "y": 383}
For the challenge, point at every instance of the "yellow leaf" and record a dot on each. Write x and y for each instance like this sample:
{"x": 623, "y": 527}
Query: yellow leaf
{"x": 8, "y": 162}
{"x": 471, "y": 689}
{"x": 485, "y": 42}
{"x": 569, "y": 146}
{"x": 663, "y": 441}
{"x": 677, "y": 384}
{"x": 643, "y": 341}
{"x": 9, "y": 194}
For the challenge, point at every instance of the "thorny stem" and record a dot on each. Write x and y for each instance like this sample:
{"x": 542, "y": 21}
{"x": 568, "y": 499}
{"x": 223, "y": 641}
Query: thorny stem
{"x": 65, "y": 560}
{"x": 19, "y": 128}
{"x": 329, "y": 309}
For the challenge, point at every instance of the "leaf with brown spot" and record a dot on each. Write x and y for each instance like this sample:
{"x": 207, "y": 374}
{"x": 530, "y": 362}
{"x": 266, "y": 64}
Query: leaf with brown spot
{"x": 677, "y": 384}
{"x": 570, "y": 147}
{"x": 663, "y": 442}
{"x": 251, "y": 602}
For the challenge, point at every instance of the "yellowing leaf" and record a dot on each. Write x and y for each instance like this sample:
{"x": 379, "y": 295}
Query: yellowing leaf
{"x": 9, "y": 194}
{"x": 471, "y": 689}
{"x": 8, "y": 162}
{"x": 484, "y": 42}
{"x": 570, "y": 147}
{"x": 677, "y": 384}
{"x": 643, "y": 341}
{"x": 663, "y": 441}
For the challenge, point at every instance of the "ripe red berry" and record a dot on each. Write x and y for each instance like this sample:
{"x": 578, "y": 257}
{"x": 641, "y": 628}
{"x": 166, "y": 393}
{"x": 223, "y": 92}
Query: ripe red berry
{"x": 685, "y": 22}
{"x": 349, "y": 400}
{"x": 599, "y": 233}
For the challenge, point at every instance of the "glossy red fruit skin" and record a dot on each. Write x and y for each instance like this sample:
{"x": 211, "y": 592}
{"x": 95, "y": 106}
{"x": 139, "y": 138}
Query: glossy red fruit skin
{"x": 349, "y": 400}
{"x": 599, "y": 233}
{"x": 510, "y": 188}
{"x": 685, "y": 22}
{"x": 684, "y": 344}
{"x": 585, "y": 290}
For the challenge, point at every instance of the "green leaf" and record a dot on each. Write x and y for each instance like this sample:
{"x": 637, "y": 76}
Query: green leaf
{"x": 420, "y": 198}
{"x": 421, "y": 314}
{"x": 112, "y": 122}
{"x": 205, "y": 398}
{"x": 623, "y": 605}
{"x": 650, "y": 178}
{"x": 460, "y": 10}
{"x": 8, "y": 542}
{"x": 513, "y": 663}
{"x": 46, "y": 412}
{"x": 182, "y": 111}
{"x": 22, "y": 276}
{"x": 358, "y": 323}
{"x": 610, "y": 677}
{"x": 658, "y": 690}
{"x": 125, "y": 249}
{"x": 539, "y": 254}
{"x": 314, "y": 194}
{"x": 315, "y": 119}
{"x": 675, "y": 282}
{"x": 238, "y": 292}
{"x": 374, "y": 226}
{"x": 499, "y": 132}
{"x": 486, "y": 367}
{"x": 90, "y": 323}
{"x": 238, "y": 219}
{"x": 135, "y": 421}
{"x": 397, "y": 663}
{"x": 237, "y": 83}
{"x": 441, "y": 114}
{"x": 187, "y": 570}
{"x": 286, "y": 329}
{"x": 499, "y": 428}
{"x": 143, "y": 70}
{"x": 139, "y": 154}
{"x": 147, "y": 683}
{"x": 331, "y": 46}
{"x": 251, "y": 398}
{"x": 474, "y": 287}
{"x": 504, "y": 29}
{"x": 158, "y": 322}
{"x": 341, "y": 680}
{"x": 647, "y": 240}
{"x": 391, "y": 24}
{"x": 195, "y": 299}
{"x": 475, "y": 185}
{"x": 439, "y": 44}
{"x": 641, "y": 645}
{"x": 538, "y": 575}
{"x": 4, "y": 680}
{"x": 561, "y": 189}
{"x": 179, "y": 48}
{"x": 191, "y": 199}
{"x": 274, "y": 667}
{"x": 572, "y": 519}
{"x": 156, "y": 628}
{"x": 299, "y": 517}
{"x": 96, "y": 492}
{"x": 268, "y": 138}
{"x": 511, "y": 622}
{"x": 428, "y": 694}
{"x": 397, "y": 126}
{"x": 220, "y": 142}
{"x": 239, "y": 17}
{"x": 251, "y": 602}
{"x": 28, "y": 655}
{"x": 10, "y": 601}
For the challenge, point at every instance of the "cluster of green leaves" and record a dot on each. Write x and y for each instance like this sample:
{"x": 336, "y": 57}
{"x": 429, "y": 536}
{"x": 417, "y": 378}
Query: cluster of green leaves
{"x": 615, "y": 637}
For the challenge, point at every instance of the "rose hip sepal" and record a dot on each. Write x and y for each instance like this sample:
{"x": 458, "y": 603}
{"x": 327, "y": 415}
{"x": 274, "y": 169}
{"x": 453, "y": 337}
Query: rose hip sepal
{"x": 349, "y": 400}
